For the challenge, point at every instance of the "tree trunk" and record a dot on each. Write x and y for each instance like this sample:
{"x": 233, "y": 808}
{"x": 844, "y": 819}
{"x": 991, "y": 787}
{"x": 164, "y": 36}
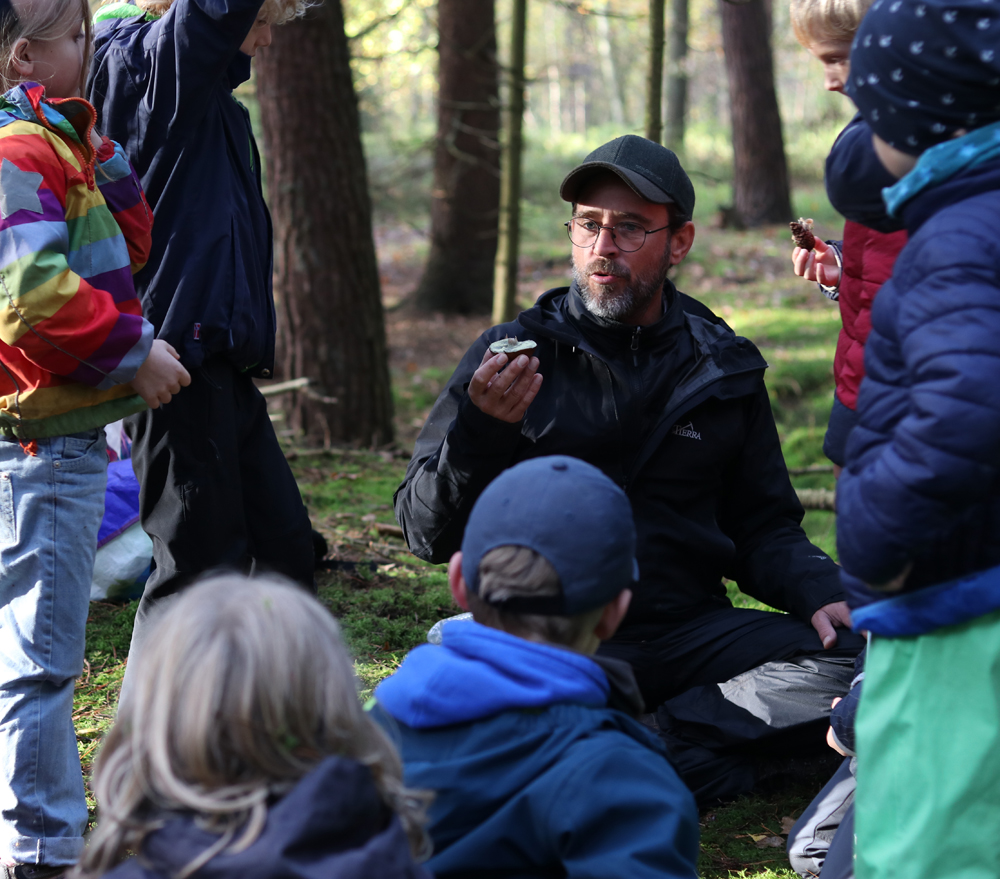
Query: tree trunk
{"x": 330, "y": 322}
{"x": 466, "y": 194}
{"x": 609, "y": 70}
{"x": 508, "y": 251}
{"x": 760, "y": 173}
{"x": 677, "y": 78}
{"x": 654, "y": 75}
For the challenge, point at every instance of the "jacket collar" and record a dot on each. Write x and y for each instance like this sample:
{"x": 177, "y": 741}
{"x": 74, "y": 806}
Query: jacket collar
{"x": 238, "y": 71}
{"x": 74, "y": 118}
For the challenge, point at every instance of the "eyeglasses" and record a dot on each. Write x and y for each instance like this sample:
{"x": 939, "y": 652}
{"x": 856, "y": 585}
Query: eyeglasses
{"x": 627, "y": 235}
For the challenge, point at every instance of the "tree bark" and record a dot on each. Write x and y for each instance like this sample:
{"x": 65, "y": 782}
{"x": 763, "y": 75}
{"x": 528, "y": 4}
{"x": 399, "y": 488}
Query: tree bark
{"x": 331, "y": 327}
{"x": 760, "y": 172}
{"x": 508, "y": 251}
{"x": 609, "y": 69}
{"x": 654, "y": 75}
{"x": 465, "y": 202}
{"x": 677, "y": 78}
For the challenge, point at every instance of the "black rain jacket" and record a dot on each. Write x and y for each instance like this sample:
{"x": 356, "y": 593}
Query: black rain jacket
{"x": 677, "y": 414}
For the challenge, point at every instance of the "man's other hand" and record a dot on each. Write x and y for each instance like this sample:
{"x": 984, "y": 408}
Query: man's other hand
{"x": 505, "y": 395}
{"x": 161, "y": 375}
{"x": 827, "y": 618}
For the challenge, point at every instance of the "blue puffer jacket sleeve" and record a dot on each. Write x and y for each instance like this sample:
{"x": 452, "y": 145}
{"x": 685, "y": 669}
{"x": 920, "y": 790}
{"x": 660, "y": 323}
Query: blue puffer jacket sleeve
{"x": 927, "y": 445}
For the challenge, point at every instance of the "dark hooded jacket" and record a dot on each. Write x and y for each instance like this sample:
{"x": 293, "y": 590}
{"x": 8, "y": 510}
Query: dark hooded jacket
{"x": 677, "y": 414}
{"x": 332, "y": 825}
{"x": 163, "y": 89}
{"x": 922, "y": 482}
{"x": 534, "y": 773}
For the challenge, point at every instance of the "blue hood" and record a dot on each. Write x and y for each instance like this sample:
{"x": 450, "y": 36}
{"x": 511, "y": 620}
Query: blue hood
{"x": 478, "y": 672}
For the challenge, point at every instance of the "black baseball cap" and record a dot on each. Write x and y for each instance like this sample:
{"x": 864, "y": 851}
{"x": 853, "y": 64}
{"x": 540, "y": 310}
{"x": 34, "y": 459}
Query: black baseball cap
{"x": 570, "y": 513}
{"x": 650, "y": 169}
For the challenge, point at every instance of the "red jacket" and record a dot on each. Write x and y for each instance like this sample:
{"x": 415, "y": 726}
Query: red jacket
{"x": 868, "y": 258}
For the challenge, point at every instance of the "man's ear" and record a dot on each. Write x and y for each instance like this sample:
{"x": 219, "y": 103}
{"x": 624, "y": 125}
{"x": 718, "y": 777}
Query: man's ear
{"x": 612, "y": 615}
{"x": 459, "y": 591}
{"x": 681, "y": 242}
{"x": 21, "y": 58}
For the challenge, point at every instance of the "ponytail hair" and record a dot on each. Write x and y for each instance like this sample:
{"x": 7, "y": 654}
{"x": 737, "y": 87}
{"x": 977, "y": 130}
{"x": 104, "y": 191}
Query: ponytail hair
{"x": 243, "y": 687}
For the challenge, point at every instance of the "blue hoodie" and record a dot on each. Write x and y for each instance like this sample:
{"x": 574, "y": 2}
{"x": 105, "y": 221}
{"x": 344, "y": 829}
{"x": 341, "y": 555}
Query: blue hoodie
{"x": 534, "y": 774}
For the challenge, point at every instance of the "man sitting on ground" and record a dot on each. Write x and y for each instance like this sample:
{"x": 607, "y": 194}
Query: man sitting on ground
{"x": 512, "y": 724}
{"x": 649, "y": 386}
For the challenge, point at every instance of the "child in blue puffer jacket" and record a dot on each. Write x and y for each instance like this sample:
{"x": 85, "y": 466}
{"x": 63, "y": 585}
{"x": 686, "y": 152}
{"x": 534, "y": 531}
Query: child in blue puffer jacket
{"x": 529, "y": 742}
{"x": 919, "y": 501}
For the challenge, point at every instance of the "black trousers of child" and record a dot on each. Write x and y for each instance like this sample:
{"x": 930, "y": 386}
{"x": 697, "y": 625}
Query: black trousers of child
{"x": 215, "y": 490}
{"x": 736, "y": 688}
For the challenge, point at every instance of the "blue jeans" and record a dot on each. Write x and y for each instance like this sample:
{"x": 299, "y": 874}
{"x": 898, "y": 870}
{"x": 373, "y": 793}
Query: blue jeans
{"x": 51, "y": 506}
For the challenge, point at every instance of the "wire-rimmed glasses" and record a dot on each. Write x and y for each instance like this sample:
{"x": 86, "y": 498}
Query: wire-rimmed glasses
{"x": 627, "y": 235}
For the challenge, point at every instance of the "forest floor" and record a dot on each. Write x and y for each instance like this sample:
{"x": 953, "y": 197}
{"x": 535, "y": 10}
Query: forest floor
{"x": 386, "y": 599}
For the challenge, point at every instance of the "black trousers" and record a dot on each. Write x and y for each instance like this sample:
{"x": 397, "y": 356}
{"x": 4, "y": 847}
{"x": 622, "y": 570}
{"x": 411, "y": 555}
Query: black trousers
{"x": 736, "y": 687}
{"x": 215, "y": 490}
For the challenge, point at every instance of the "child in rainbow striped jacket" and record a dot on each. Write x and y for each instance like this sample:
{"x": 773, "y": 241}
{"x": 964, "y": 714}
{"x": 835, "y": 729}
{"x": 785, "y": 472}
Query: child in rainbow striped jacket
{"x": 75, "y": 353}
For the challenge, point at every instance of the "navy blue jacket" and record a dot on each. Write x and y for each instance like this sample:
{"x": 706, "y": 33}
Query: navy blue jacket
{"x": 331, "y": 825}
{"x": 855, "y": 179}
{"x": 922, "y": 482}
{"x": 163, "y": 89}
{"x": 534, "y": 774}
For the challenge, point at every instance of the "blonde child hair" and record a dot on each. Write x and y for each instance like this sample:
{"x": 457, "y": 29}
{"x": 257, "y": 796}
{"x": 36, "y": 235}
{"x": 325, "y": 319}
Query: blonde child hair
{"x": 818, "y": 20}
{"x": 244, "y": 687}
{"x": 42, "y": 20}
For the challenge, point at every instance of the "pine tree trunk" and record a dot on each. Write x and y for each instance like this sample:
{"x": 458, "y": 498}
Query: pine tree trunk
{"x": 677, "y": 78}
{"x": 509, "y": 244}
{"x": 331, "y": 327}
{"x": 466, "y": 194}
{"x": 654, "y": 74}
{"x": 760, "y": 173}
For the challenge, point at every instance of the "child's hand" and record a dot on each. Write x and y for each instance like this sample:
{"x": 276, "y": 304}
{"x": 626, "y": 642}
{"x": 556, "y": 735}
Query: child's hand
{"x": 831, "y": 739}
{"x": 96, "y": 141}
{"x": 161, "y": 375}
{"x": 819, "y": 264}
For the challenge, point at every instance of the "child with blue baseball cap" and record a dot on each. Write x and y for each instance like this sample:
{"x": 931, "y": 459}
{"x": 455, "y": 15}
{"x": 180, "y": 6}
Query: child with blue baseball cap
{"x": 530, "y": 743}
{"x": 919, "y": 500}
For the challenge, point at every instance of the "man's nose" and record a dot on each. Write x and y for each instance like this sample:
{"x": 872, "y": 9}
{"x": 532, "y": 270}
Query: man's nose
{"x": 605, "y": 242}
{"x": 265, "y": 37}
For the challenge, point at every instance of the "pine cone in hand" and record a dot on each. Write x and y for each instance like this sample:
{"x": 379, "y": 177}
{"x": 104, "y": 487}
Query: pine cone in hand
{"x": 802, "y": 234}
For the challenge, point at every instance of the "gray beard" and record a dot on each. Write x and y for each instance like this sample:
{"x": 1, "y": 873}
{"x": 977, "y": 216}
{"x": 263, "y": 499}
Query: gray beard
{"x": 630, "y": 304}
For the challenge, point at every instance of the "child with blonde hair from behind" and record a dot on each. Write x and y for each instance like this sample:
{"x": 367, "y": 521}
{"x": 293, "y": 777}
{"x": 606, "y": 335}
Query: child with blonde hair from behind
{"x": 244, "y": 752}
{"x": 75, "y": 354}
{"x": 849, "y": 271}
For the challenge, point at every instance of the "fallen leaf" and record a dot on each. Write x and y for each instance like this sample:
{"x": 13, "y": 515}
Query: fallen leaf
{"x": 771, "y": 842}
{"x": 787, "y": 823}
{"x": 369, "y": 518}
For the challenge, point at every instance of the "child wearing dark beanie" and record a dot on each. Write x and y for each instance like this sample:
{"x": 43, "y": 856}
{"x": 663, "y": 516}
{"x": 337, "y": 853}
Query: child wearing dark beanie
{"x": 918, "y": 504}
